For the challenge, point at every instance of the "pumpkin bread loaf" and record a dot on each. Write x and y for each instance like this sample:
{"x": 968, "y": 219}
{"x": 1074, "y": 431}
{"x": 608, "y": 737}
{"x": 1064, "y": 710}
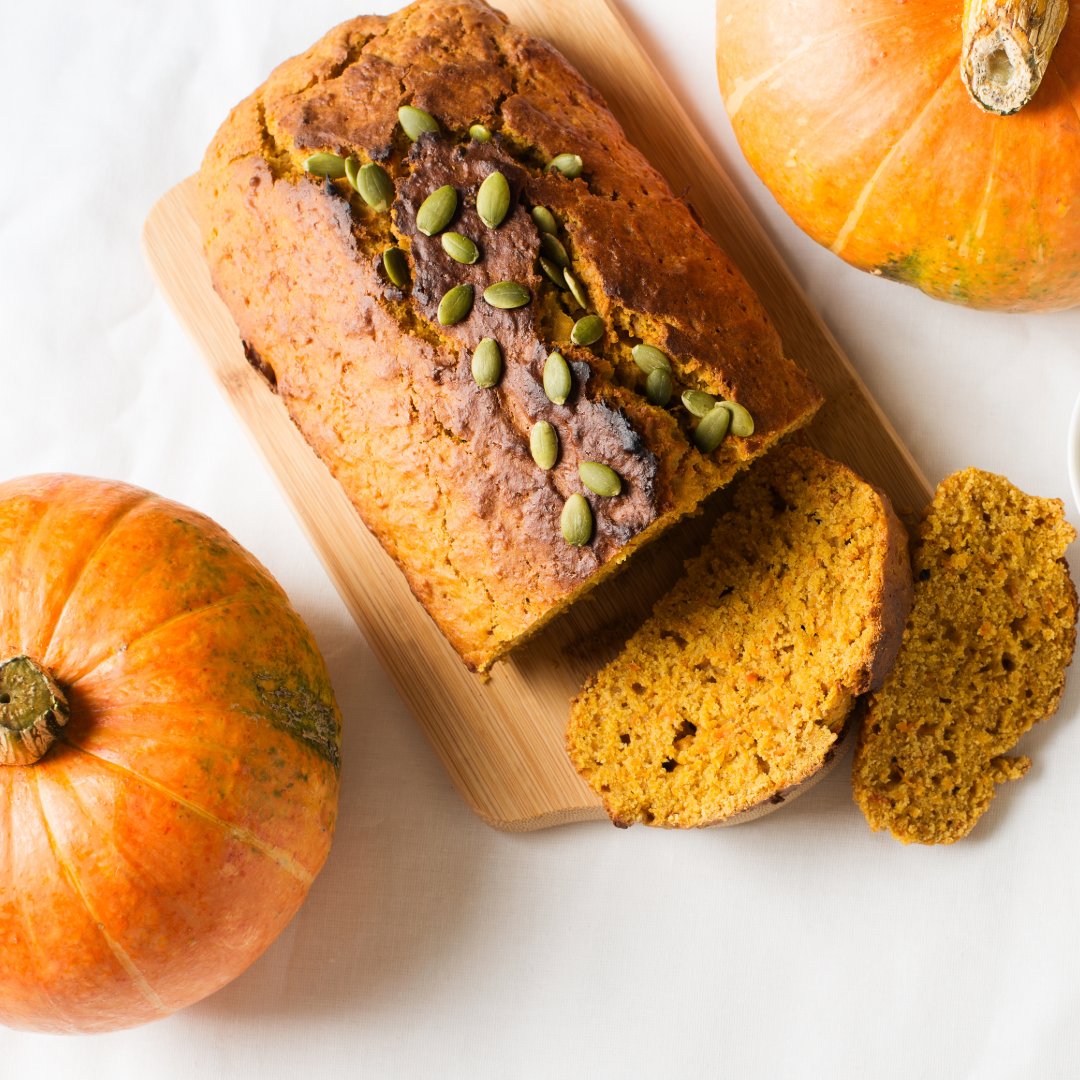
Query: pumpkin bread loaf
{"x": 991, "y": 631}
{"x": 736, "y": 690}
{"x": 322, "y": 241}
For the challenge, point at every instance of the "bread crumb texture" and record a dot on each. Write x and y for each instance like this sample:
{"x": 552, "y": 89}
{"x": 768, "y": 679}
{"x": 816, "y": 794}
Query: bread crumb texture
{"x": 736, "y": 689}
{"x": 438, "y": 467}
{"x": 991, "y": 631}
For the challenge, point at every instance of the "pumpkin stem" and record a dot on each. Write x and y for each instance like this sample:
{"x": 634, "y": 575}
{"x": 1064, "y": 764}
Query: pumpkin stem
{"x": 1006, "y": 50}
{"x": 33, "y": 709}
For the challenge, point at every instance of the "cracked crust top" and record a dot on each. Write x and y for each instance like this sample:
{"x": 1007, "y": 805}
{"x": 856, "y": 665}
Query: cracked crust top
{"x": 440, "y": 469}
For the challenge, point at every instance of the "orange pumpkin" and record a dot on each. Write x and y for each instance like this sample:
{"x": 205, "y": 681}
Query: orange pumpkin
{"x": 174, "y": 826}
{"x": 857, "y": 117}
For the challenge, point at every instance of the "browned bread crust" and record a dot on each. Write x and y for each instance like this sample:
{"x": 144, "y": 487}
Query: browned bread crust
{"x": 736, "y": 691}
{"x": 440, "y": 469}
{"x": 991, "y": 632}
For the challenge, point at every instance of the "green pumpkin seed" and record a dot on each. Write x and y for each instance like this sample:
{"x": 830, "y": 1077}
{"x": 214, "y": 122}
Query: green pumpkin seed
{"x": 658, "y": 387}
{"x": 569, "y": 165}
{"x": 487, "y": 363}
{"x": 455, "y": 304}
{"x": 436, "y": 210}
{"x": 649, "y": 358}
{"x": 742, "y": 423}
{"x": 325, "y": 165}
{"x": 493, "y": 200}
{"x": 507, "y": 295}
{"x": 698, "y": 402}
{"x": 352, "y": 171}
{"x": 601, "y": 479}
{"x": 557, "y": 383}
{"x": 711, "y": 430}
{"x": 396, "y": 266}
{"x": 551, "y": 246}
{"x": 460, "y": 248}
{"x": 554, "y": 272}
{"x": 587, "y": 330}
{"x": 577, "y": 290}
{"x": 480, "y": 133}
{"x": 415, "y": 121}
{"x": 543, "y": 444}
{"x": 544, "y": 219}
{"x": 576, "y": 521}
{"x": 375, "y": 186}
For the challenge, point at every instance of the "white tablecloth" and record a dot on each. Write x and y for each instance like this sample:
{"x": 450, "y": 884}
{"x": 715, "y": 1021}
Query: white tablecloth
{"x": 431, "y": 946}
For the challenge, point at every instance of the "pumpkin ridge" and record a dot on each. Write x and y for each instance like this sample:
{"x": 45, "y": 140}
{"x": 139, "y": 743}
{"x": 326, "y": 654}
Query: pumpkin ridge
{"x": 238, "y": 832}
{"x": 1065, "y": 86}
{"x": 167, "y": 710}
{"x": 254, "y": 591}
{"x": 864, "y": 196}
{"x": 740, "y": 94}
{"x": 984, "y": 206}
{"x": 143, "y": 498}
{"x": 25, "y": 922}
{"x": 115, "y": 947}
{"x": 137, "y": 872}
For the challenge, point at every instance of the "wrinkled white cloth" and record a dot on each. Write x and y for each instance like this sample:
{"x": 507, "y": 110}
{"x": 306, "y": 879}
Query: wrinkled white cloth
{"x": 431, "y": 946}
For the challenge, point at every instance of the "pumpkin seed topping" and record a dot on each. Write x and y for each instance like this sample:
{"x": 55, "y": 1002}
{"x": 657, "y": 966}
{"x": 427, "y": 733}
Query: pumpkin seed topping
{"x": 415, "y": 121}
{"x": 436, "y": 210}
{"x": 552, "y": 248}
{"x": 544, "y": 219}
{"x": 396, "y": 266}
{"x": 330, "y": 165}
{"x": 742, "y": 423}
{"x": 557, "y": 382}
{"x": 554, "y": 272}
{"x": 375, "y": 186}
{"x": 460, "y": 248}
{"x": 711, "y": 430}
{"x": 649, "y": 358}
{"x": 487, "y": 363}
{"x": 455, "y": 305}
{"x": 577, "y": 290}
{"x": 352, "y": 171}
{"x": 543, "y": 444}
{"x": 576, "y": 521}
{"x": 570, "y": 165}
{"x": 698, "y": 402}
{"x": 658, "y": 387}
{"x": 599, "y": 478}
{"x": 493, "y": 200}
{"x": 587, "y": 330}
{"x": 480, "y": 133}
{"x": 507, "y": 295}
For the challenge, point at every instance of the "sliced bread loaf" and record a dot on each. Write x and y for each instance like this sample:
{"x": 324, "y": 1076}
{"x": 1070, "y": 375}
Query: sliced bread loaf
{"x": 735, "y": 691}
{"x": 991, "y": 631}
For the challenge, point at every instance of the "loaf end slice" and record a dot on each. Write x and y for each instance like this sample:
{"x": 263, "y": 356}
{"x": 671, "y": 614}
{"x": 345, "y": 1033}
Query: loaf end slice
{"x": 440, "y": 468}
{"x": 991, "y": 632}
{"x": 735, "y": 692}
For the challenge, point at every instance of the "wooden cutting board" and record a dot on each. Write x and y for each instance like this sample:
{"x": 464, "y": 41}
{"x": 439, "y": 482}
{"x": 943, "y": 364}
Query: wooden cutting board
{"x": 501, "y": 738}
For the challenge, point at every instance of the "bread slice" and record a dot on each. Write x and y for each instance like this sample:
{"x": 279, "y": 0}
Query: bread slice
{"x": 991, "y": 631}
{"x": 737, "y": 688}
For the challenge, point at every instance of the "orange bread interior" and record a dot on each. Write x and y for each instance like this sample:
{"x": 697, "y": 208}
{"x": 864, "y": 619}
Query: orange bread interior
{"x": 991, "y": 631}
{"x": 735, "y": 690}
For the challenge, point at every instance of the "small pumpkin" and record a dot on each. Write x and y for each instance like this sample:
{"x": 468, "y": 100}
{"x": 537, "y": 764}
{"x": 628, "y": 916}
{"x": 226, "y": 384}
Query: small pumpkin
{"x": 877, "y": 126}
{"x": 168, "y": 756}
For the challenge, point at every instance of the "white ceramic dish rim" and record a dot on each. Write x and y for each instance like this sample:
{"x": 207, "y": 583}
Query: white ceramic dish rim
{"x": 1073, "y": 454}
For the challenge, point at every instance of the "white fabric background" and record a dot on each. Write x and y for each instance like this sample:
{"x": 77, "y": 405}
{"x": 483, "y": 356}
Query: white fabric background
{"x": 432, "y": 946}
